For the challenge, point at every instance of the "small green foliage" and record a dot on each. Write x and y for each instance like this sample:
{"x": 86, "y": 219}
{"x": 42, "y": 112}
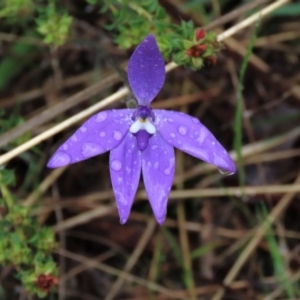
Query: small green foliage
{"x": 16, "y": 8}
{"x": 53, "y": 22}
{"x": 44, "y": 240}
{"x": 24, "y": 244}
{"x": 18, "y": 216}
{"x": 10, "y": 121}
{"x": 54, "y": 25}
{"x": 14, "y": 61}
{"x": 133, "y": 20}
{"x": 7, "y": 177}
{"x": 40, "y": 279}
{"x": 92, "y": 2}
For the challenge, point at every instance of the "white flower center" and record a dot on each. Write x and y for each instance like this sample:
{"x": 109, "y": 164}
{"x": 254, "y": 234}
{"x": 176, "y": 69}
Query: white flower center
{"x": 141, "y": 124}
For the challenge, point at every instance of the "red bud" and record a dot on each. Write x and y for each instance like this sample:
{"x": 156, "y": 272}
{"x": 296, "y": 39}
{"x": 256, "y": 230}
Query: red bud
{"x": 46, "y": 282}
{"x": 201, "y": 48}
{"x": 189, "y": 52}
{"x": 200, "y": 34}
{"x": 196, "y": 51}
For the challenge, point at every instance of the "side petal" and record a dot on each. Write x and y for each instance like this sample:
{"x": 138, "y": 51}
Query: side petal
{"x": 158, "y": 166}
{"x": 125, "y": 173}
{"x": 146, "y": 71}
{"x": 102, "y": 132}
{"x": 189, "y": 135}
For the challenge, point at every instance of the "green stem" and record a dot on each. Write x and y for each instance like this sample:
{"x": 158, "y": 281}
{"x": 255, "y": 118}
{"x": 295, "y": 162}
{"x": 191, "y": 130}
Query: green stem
{"x": 239, "y": 110}
{"x": 9, "y": 201}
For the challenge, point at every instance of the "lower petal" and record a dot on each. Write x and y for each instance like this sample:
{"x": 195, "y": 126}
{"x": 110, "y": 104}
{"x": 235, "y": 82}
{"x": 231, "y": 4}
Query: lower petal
{"x": 125, "y": 172}
{"x": 189, "y": 135}
{"x": 158, "y": 166}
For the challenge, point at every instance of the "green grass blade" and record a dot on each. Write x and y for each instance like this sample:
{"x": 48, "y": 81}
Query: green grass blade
{"x": 278, "y": 262}
{"x": 238, "y": 137}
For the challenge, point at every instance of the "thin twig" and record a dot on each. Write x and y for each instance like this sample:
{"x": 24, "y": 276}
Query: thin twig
{"x": 252, "y": 19}
{"x": 178, "y": 194}
{"x": 141, "y": 244}
{"x": 43, "y": 187}
{"x": 58, "y": 108}
{"x": 174, "y": 195}
{"x": 83, "y": 267}
{"x": 234, "y": 14}
{"x": 260, "y": 232}
{"x": 84, "y": 217}
{"x": 110, "y": 270}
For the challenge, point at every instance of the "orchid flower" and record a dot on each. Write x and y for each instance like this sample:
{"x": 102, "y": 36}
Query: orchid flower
{"x": 142, "y": 139}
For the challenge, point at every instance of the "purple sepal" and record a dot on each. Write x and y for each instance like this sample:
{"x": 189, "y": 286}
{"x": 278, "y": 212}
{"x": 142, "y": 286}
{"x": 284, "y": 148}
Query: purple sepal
{"x": 158, "y": 167}
{"x": 189, "y": 135}
{"x": 102, "y": 132}
{"x": 125, "y": 172}
{"x": 146, "y": 71}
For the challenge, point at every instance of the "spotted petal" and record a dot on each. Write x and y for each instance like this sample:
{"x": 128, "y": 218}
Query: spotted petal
{"x": 189, "y": 135}
{"x": 158, "y": 166}
{"x": 102, "y": 132}
{"x": 125, "y": 172}
{"x": 146, "y": 71}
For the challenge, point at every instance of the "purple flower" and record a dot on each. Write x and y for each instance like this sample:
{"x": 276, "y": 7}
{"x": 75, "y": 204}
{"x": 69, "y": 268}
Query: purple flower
{"x": 142, "y": 139}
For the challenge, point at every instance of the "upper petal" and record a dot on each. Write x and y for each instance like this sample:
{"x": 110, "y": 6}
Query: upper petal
{"x": 189, "y": 135}
{"x": 158, "y": 166}
{"x": 102, "y": 132}
{"x": 125, "y": 172}
{"x": 146, "y": 71}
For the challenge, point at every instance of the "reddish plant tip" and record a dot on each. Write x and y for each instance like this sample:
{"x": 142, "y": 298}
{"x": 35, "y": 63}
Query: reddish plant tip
{"x": 200, "y": 34}
{"x": 211, "y": 60}
{"x": 196, "y": 51}
{"x": 189, "y": 52}
{"x": 46, "y": 282}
